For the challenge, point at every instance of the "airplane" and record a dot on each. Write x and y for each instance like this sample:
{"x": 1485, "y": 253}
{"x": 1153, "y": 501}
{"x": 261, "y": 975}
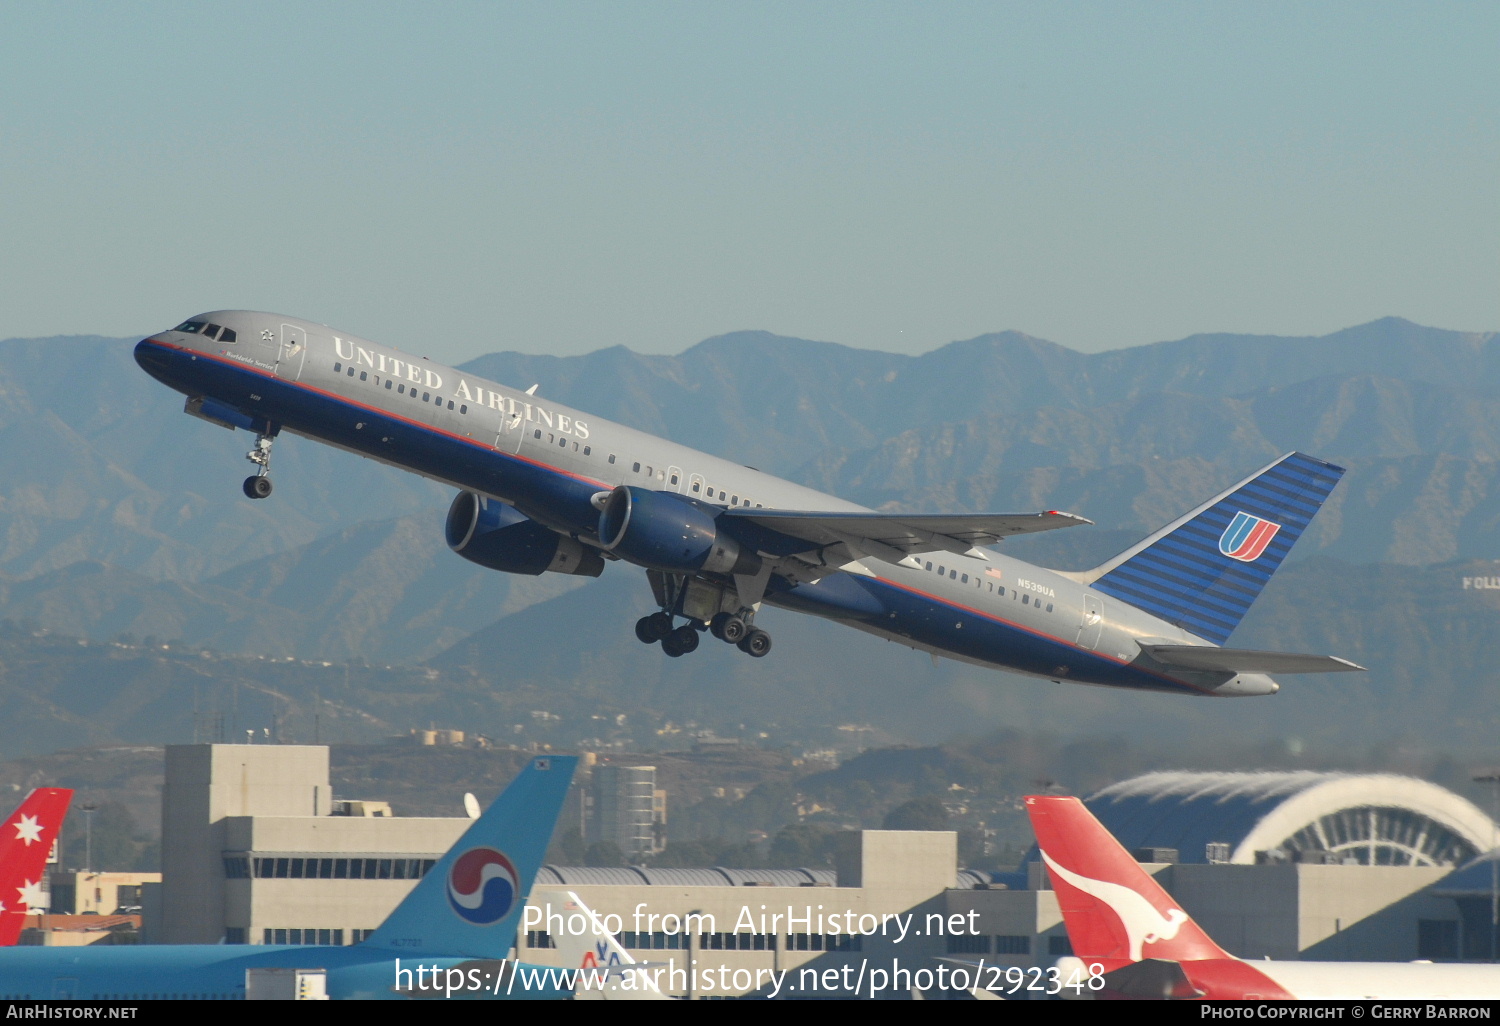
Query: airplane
{"x": 1130, "y": 940}
{"x": 26, "y": 842}
{"x": 544, "y": 488}
{"x": 450, "y": 937}
{"x": 606, "y": 970}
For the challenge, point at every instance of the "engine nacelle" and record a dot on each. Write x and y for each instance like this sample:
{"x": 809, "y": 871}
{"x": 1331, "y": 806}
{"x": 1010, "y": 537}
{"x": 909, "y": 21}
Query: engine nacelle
{"x": 498, "y": 536}
{"x": 665, "y": 531}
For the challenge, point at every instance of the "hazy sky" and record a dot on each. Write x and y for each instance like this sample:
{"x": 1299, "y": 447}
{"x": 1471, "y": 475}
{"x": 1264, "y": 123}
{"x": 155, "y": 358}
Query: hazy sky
{"x": 558, "y": 177}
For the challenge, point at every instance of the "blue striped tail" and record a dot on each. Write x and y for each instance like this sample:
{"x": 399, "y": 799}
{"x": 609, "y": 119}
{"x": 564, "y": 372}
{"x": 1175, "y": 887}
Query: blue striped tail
{"x": 1202, "y": 571}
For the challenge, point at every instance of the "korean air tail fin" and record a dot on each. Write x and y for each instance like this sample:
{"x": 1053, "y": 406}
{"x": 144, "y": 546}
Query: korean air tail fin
{"x": 470, "y": 902}
{"x": 1202, "y": 571}
{"x": 584, "y": 943}
{"x": 1113, "y": 910}
{"x": 26, "y": 840}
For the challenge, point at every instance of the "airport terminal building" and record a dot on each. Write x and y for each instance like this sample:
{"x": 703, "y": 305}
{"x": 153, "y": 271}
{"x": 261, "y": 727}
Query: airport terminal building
{"x": 1281, "y": 865}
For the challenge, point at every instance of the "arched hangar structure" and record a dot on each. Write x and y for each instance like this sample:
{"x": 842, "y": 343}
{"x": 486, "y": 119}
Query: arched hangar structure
{"x": 1369, "y": 819}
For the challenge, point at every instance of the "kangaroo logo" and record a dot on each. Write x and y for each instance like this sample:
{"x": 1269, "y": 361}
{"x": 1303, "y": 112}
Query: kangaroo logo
{"x": 1143, "y": 923}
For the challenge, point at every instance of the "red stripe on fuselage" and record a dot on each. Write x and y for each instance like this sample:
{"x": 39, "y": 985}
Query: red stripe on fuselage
{"x": 341, "y": 398}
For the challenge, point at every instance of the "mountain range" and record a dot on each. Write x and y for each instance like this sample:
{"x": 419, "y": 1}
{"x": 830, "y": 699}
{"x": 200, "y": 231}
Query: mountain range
{"x": 120, "y": 516}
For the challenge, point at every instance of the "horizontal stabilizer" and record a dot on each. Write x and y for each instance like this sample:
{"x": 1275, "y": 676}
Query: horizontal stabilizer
{"x": 1245, "y": 660}
{"x": 902, "y": 534}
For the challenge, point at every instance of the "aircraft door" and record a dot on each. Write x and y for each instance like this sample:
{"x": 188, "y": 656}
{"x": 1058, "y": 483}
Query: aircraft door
{"x": 695, "y": 485}
{"x": 1092, "y": 622}
{"x": 292, "y": 352}
{"x": 510, "y": 430}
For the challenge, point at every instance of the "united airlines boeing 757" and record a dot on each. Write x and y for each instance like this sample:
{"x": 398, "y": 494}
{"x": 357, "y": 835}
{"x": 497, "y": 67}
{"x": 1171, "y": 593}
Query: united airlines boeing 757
{"x": 543, "y": 488}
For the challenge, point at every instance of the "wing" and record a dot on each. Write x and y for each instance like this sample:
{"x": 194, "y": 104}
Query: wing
{"x": 1245, "y": 660}
{"x": 894, "y": 536}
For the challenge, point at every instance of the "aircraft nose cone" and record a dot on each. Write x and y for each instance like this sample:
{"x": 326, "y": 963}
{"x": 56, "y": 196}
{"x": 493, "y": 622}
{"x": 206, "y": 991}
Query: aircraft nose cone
{"x": 150, "y": 357}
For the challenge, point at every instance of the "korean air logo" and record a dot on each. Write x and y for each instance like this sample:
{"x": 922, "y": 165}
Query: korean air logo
{"x": 1246, "y": 537}
{"x": 482, "y": 886}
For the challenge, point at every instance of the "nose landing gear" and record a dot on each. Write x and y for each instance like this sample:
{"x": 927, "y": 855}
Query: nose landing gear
{"x": 258, "y": 485}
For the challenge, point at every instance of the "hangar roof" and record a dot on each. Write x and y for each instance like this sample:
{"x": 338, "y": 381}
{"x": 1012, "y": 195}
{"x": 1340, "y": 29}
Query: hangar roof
{"x": 1372, "y": 819}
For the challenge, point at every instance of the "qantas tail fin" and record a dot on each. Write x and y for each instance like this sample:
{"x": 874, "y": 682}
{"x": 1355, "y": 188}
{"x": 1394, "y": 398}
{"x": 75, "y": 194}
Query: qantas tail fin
{"x": 1112, "y": 908}
{"x": 470, "y": 902}
{"x": 1202, "y": 571}
{"x": 26, "y": 840}
{"x": 585, "y": 944}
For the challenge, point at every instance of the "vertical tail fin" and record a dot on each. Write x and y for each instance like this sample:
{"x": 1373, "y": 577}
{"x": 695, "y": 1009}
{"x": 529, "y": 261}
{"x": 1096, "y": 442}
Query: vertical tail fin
{"x": 1202, "y": 571}
{"x": 1112, "y": 908}
{"x": 470, "y": 902}
{"x": 585, "y": 944}
{"x": 26, "y": 840}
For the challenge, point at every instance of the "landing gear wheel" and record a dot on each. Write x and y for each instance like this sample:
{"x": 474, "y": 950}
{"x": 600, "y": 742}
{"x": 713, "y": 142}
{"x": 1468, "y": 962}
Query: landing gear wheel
{"x": 684, "y": 639}
{"x": 757, "y": 643}
{"x": 672, "y": 646}
{"x": 257, "y": 487}
{"x": 716, "y": 625}
{"x": 653, "y": 628}
{"x": 734, "y": 630}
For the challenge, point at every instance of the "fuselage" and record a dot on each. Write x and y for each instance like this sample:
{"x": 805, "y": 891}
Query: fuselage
{"x": 208, "y": 972}
{"x": 551, "y": 462}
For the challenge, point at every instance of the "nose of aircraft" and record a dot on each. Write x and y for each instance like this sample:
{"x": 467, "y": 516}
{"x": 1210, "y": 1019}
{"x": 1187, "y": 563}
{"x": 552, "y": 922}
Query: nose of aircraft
{"x": 151, "y": 357}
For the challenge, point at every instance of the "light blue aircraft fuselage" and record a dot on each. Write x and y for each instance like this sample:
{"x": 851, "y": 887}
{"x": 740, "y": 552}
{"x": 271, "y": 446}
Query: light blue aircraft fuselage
{"x": 544, "y": 487}
{"x": 449, "y": 938}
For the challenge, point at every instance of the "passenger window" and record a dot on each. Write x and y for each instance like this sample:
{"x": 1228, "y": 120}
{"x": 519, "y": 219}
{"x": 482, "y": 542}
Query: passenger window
{"x": 1025, "y": 600}
{"x": 463, "y": 409}
{"x": 563, "y": 442}
{"x": 611, "y": 457}
{"x": 426, "y": 397}
{"x": 387, "y": 384}
{"x": 350, "y": 372}
{"x": 450, "y": 404}
{"x": 538, "y": 433}
{"x": 1049, "y": 607}
{"x": 648, "y": 471}
{"x": 929, "y": 565}
{"x": 401, "y": 389}
{"x": 337, "y": 367}
{"x": 635, "y": 468}
{"x": 965, "y": 579}
{"x": 942, "y": 571}
{"x": 364, "y": 376}
{"x": 721, "y": 493}
{"x": 1002, "y": 591}
{"x": 674, "y": 478}
{"x": 734, "y": 500}
{"x": 953, "y": 575}
{"x": 228, "y": 336}
{"x": 438, "y": 400}
{"x": 696, "y": 486}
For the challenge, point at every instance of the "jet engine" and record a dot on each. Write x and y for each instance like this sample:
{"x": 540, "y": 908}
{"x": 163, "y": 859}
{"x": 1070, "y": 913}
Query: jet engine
{"x": 498, "y": 536}
{"x": 667, "y": 531}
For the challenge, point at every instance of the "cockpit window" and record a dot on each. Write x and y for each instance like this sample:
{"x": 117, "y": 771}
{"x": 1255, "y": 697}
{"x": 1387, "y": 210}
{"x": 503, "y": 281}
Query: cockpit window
{"x": 212, "y": 331}
{"x": 228, "y": 336}
{"x": 191, "y": 327}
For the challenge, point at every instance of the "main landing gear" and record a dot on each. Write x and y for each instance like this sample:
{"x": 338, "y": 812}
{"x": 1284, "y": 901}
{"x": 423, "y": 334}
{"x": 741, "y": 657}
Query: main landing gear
{"x": 735, "y": 629}
{"x": 700, "y": 603}
{"x": 258, "y": 485}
